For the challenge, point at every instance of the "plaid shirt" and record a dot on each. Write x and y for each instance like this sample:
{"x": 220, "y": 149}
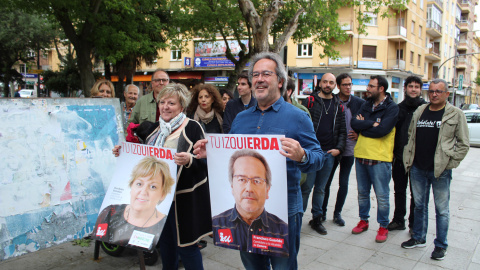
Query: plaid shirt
{"x": 374, "y": 107}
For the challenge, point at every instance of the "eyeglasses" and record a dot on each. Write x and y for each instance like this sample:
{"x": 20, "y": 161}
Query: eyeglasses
{"x": 160, "y": 80}
{"x": 371, "y": 86}
{"x": 243, "y": 180}
{"x": 438, "y": 92}
{"x": 346, "y": 84}
{"x": 265, "y": 74}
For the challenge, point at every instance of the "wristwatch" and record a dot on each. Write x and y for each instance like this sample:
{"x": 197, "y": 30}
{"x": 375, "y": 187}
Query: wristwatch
{"x": 304, "y": 158}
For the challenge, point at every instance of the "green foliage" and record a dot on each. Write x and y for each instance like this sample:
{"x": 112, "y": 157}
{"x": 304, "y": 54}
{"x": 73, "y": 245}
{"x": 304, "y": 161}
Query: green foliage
{"x": 477, "y": 79}
{"x": 65, "y": 81}
{"x": 257, "y": 21}
{"x": 81, "y": 242}
{"x": 20, "y": 34}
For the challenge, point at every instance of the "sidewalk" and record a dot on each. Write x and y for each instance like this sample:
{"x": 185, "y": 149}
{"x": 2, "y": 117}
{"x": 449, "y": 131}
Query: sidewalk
{"x": 339, "y": 249}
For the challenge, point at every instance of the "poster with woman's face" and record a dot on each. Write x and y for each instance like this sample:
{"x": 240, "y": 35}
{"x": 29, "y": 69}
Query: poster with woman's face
{"x": 139, "y": 197}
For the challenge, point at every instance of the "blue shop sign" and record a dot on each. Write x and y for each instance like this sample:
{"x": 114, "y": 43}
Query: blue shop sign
{"x": 425, "y": 86}
{"x": 370, "y": 64}
{"x": 395, "y": 79}
{"x": 30, "y": 76}
{"x": 309, "y": 76}
{"x": 214, "y": 62}
{"x": 216, "y": 79}
{"x": 360, "y": 81}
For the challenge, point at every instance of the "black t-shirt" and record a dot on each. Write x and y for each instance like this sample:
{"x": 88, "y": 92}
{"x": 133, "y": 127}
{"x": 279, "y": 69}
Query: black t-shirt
{"x": 428, "y": 127}
{"x": 325, "y": 129}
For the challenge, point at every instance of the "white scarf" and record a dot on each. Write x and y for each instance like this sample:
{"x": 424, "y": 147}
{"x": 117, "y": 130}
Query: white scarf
{"x": 166, "y": 129}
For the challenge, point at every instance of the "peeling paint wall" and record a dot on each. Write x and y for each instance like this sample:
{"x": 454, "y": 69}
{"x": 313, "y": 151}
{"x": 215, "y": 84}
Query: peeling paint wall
{"x": 55, "y": 167}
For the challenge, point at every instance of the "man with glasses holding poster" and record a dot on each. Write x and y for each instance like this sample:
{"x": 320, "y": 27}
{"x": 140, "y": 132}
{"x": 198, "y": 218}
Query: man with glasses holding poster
{"x": 438, "y": 142}
{"x": 250, "y": 179}
{"x": 273, "y": 115}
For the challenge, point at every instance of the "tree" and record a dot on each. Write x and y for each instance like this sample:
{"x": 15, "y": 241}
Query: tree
{"x": 114, "y": 30}
{"x": 20, "y": 34}
{"x": 258, "y": 20}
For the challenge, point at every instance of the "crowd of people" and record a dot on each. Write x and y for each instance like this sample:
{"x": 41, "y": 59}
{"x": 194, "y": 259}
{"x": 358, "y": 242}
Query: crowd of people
{"x": 415, "y": 142}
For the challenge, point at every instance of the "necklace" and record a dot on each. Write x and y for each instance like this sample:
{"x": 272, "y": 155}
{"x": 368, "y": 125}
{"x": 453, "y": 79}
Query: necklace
{"x": 154, "y": 213}
{"x": 326, "y": 110}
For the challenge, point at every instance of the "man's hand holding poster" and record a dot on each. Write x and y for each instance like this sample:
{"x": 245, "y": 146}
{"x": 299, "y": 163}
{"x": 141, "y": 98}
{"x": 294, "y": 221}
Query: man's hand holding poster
{"x": 136, "y": 205}
{"x": 248, "y": 193}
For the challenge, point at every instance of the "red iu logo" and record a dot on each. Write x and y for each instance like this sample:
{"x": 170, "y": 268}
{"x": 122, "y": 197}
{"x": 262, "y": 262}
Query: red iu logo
{"x": 102, "y": 229}
{"x": 225, "y": 236}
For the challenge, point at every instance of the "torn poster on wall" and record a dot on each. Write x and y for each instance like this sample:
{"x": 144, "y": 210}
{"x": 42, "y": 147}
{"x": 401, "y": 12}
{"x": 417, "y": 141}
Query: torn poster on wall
{"x": 55, "y": 166}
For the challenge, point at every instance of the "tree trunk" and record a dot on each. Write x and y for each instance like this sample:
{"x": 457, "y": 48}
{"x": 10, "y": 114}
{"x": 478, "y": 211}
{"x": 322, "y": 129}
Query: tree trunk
{"x": 85, "y": 66}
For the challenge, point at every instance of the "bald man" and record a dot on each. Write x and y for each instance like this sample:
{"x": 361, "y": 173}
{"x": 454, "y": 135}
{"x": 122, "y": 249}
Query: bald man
{"x": 328, "y": 119}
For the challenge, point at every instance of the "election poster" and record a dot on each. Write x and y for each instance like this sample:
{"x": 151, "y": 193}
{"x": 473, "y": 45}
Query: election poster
{"x": 136, "y": 205}
{"x": 248, "y": 193}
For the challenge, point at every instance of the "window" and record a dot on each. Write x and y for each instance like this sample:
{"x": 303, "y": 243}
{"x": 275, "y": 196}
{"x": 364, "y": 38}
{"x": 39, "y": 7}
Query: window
{"x": 419, "y": 59}
{"x": 420, "y": 29}
{"x": 400, "y": 54}
{"x": 176, "y": 55}
{"x": 373, "y": 19}
{"x": 421, "y": 4}
{"x": 304, "y": 50}
{"x": 413, "y": 28}
{"x": 369, "y": 52}
{"x": 445, "y": 53}
{"x": 411, "y": 57}
{"x": 31, "y": 54}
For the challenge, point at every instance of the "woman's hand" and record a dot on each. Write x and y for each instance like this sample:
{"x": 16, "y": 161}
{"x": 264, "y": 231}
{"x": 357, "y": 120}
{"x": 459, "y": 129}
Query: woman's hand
{"x": 182, "y": 158}
{"x": 116, "y": 150}
{"x": 199, "y": 148}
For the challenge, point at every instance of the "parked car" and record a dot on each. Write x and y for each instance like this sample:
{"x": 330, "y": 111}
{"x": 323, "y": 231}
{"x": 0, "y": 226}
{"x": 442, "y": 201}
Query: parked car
{"x": 473, "y": 122}
{"x": 27, "y": 93}
{"x": 470, "y": 107}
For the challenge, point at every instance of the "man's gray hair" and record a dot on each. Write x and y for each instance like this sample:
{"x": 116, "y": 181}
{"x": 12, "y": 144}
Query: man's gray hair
{"x": 128, "y": 85}
{"x": 249, "y": 153}
{"x": 160, "y": 70}
{"x": 437, "y": 81}
{"x": 279, "y": 70}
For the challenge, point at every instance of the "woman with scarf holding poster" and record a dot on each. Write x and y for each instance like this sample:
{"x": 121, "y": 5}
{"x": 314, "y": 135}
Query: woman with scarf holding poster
{"x": 206, "y": 108}
{"x": 190, "y": 211}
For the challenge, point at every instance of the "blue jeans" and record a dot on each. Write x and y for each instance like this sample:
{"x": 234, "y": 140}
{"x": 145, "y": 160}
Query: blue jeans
{"x": 346, "y": 164}
{"x": 319, "y": 179}
{"x": 169, "y": 250}
{"x": 252, "y": 261}
{"x": 421, "y": 181}
{"x": 379, "y": 176}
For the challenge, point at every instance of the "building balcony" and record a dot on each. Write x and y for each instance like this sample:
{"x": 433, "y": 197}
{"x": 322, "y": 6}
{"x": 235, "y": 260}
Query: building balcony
{"x": 399, "y": 6}
{"x": 462, "y": 44}
{"x": 465, "y": 25}
{"x": 465, "y": 6}
{"x": 396, "y": 64}
{"x": 457, "y": 22}
{"x": 462, "y": 62}
{"x": 347, "y": 26}
{"x": 436, "y": 2}
{"x": 397, "y": 33}
{"x": 433, "y": 54}
{"x": 434, "y": 29}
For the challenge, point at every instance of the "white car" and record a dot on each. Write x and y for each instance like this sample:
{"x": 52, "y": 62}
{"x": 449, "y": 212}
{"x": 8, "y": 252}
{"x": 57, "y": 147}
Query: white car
{"x": 473, "y": 122}
{"x": 26, "y": 93}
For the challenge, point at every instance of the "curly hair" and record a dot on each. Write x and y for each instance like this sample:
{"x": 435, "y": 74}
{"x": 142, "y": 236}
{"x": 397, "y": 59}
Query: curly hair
{"x": 217, "y": 104}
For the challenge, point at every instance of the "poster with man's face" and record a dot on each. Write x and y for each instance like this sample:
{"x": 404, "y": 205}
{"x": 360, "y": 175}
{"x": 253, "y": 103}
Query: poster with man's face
{"x": 248, "y": 193}
{"x": 137, "y": 202}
